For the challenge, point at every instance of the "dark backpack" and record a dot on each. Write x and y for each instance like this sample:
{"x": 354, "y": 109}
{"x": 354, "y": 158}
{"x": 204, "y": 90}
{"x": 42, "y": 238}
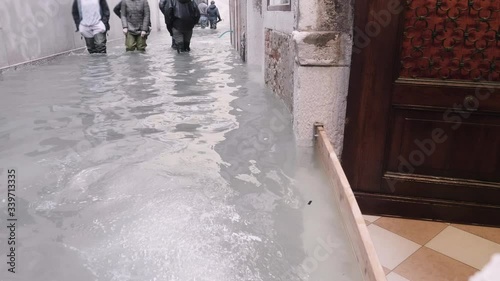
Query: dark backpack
{"x": 195, "y": 12}
{"x": 192, "y": 13}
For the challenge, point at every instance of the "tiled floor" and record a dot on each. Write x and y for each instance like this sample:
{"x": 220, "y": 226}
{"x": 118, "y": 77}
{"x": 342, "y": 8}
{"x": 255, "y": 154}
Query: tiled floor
{"x": 412, "y": 250}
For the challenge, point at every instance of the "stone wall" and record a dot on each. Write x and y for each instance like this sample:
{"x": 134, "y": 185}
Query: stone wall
{"x": 279, "y": 65}
{"x": 323, "y": 44}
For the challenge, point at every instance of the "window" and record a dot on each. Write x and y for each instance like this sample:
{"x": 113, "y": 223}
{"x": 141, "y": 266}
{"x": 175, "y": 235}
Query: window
{"x": 279, "y": 5}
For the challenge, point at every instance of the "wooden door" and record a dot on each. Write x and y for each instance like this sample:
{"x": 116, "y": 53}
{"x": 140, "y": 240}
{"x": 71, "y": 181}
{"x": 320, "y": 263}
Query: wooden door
{"x": 423, "y": 118}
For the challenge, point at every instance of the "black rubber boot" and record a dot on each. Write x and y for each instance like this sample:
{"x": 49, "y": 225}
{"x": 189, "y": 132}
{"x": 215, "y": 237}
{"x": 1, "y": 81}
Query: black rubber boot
{"x": 100, "y": 43}
{"x": 181, "y": 47}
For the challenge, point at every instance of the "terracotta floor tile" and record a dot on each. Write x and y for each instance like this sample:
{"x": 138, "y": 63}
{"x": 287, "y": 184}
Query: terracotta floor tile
{"x": 417, "y": 231}
{"x": 489, "y": 233}
{"x": 464, "y": 246}
{"x": 429, "y": 265}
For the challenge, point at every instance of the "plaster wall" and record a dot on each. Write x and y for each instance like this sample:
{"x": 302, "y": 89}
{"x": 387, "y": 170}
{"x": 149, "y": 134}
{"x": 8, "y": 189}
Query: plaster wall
{"x": 238, "y": 15}
{"x": 33, "y": 29}
{"x": 258, "y": 20}
{"x": 255, "y": 36}
{"x": 282, "y": 21}
{"x": 327, "y": 105}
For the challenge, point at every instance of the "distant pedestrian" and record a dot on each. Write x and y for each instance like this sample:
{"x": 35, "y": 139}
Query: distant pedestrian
{"x": 136, "y": 18}
{"x": 182, "y": 16}
{"x": 213, "y": 15}
{"x": 92, "y": 20}
{"x": 203, "y": 7}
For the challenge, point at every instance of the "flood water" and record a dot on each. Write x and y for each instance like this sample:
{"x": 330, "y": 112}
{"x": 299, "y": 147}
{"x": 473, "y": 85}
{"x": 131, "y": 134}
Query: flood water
{"x": 160, "y": 166}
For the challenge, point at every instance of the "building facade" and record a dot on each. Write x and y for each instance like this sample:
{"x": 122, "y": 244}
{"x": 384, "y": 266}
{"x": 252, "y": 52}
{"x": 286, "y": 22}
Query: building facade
{"x": 302, "y": 49}
{"x": 408, "y": 91}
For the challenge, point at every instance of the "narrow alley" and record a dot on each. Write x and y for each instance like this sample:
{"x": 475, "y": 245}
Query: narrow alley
{"x": 159, "y": 166}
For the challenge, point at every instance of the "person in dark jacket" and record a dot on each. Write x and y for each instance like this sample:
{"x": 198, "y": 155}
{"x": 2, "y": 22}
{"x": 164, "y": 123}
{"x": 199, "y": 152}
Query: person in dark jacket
{"x": 163, "y": 9}
{"x": 92, "y": 20}
{"x": 182, "y": 16}
{"x": 136, "y": 16}
{"x": 213, "y": 15}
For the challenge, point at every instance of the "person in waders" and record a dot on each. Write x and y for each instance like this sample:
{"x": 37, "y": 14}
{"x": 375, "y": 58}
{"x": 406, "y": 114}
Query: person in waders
{"x": 136, "y": 16}
{"x": 203, "y": 7}
{"x": 118, "y": 12}
{"x": 182, "y": 16}
{"x": 92, "y": 21}
{"x": 213, "y": 15}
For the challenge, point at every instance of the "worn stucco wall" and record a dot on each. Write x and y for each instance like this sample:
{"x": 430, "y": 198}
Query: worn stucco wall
{"x": 33, "y": 29}
{"x": 279, "y": 65}
{"x": 327, "y": 105}
{"x": 238, "y": 15}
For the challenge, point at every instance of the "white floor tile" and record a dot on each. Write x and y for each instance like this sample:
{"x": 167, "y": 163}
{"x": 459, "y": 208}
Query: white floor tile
{"x": 391, "y": 249}
{"x": 371, "y": 218}
{"x": 395, "y": 277}
{"x": 464, "y": 246}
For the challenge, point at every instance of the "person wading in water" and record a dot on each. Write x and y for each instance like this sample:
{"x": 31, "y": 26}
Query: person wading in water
{"x": 182, "y": 16}
{"x": 135, "y": 15}
{"x": 92, "y": 20}
{"x": 118, "y": 11}
{"x": 213, "y": 15}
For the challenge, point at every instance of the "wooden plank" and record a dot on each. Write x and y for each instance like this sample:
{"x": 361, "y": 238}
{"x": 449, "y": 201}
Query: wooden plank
{"x": 353, "y": 220}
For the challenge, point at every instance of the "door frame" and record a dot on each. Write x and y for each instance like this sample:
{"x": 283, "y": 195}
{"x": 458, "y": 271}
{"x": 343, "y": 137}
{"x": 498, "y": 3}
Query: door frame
{"x": 367, "y": 128}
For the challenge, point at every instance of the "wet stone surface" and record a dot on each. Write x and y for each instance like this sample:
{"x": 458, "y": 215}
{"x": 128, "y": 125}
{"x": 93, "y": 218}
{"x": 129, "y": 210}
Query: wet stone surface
{"x": 160, "y": 166}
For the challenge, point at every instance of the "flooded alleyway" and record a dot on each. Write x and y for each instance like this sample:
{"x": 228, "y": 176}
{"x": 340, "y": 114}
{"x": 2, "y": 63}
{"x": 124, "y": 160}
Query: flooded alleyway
{"x": 160, "y": 166}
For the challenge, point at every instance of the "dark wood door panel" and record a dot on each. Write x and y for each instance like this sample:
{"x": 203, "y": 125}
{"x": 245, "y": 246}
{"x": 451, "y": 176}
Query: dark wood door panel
{"x": 477, "y": 96}
{"x": 445, "y": 145}
{"x": 449, "y": 189}
{"x": 448, "y": 211}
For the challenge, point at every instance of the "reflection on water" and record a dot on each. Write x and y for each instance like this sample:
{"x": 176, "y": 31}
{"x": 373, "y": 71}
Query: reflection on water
{"x": 157, "y": 166}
